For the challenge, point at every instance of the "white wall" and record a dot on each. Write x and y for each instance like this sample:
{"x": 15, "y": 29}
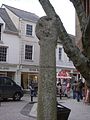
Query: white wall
{"x": 12, "y": 42}
{"x": 29, "y": 40}
{"x": 64, "y": 62}
{"x": 16, "y": 45}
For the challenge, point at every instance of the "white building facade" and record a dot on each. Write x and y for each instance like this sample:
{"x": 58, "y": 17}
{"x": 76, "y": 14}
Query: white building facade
{"x": 19, "y": 48}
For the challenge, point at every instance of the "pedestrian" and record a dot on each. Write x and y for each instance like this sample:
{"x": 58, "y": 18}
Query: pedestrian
{"x": 79, "y": 87}
{"x": 59, "y": 88}
{"x": 74, "y": 85}
{"x": 68, "y": 87}
{"x": 31, "y": 87}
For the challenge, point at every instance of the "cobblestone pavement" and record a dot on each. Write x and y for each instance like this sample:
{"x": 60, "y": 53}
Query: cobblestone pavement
{"x": 11, "y": 110}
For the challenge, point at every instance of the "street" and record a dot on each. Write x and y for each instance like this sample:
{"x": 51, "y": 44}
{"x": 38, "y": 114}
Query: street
{"x": 24, "y": 110}
{"x": 11, "y": 110}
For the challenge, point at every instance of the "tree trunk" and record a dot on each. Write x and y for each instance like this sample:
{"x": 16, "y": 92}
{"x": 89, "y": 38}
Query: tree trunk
{"x": 45, "y": 31}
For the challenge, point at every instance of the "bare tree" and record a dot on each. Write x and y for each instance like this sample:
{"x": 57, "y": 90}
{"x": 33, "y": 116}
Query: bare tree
{"x": 48, "y": 30}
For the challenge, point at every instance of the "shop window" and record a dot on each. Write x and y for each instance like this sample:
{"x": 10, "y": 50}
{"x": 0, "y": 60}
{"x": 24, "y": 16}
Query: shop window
{"x": 3, "y": 53}
{"x": 28, "y": 52}
{"x": 29, "y": 29}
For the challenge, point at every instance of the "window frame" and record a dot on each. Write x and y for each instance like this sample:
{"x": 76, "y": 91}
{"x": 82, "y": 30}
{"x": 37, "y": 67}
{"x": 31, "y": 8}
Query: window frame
{"x": 3, "y": 54}
{"x": 29, "y": 30}
{"x": 29, "y": 52}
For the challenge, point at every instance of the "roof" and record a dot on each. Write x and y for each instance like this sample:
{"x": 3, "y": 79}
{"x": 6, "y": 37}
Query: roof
{"x": 23, "y": 14}
{"x": 9, "y": 26}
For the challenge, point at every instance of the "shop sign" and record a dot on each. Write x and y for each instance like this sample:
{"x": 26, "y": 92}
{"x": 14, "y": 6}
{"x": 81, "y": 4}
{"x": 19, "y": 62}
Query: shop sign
{"x": 64, "y": 74}
{"x": 4, "y": 68}
{"x": 33, "y": 69}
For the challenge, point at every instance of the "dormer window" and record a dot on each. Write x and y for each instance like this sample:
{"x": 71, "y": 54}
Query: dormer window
{"x": 29, "y": 29}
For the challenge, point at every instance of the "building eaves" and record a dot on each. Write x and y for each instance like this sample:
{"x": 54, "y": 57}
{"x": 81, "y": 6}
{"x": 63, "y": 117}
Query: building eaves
{"x": 23, "y": 14}
{"x": 9, "y": 26}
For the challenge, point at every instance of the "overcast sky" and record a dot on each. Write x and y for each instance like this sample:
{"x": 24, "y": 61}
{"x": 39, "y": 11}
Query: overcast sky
{"x": 64, "y": 9}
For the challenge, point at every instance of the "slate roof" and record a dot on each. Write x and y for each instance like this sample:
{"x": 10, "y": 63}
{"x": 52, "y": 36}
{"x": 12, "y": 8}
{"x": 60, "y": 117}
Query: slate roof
{"x": 9, "y": 26}
{"x": 23, "y": 14}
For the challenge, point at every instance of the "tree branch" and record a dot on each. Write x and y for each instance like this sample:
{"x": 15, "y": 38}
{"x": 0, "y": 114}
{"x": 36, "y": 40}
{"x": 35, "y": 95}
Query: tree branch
{"x": 86, "y": 38}
{"x": 48, "y": 8}
{"x": 87, "y": 30}
{"x": 80, "y": 13}
{"x": 71, "y": 49}
{"x": 84, "y": 25}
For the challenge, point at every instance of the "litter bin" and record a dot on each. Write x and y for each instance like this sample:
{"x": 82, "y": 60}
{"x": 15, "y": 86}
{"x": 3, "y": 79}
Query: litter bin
{"x": 62, "y": 112}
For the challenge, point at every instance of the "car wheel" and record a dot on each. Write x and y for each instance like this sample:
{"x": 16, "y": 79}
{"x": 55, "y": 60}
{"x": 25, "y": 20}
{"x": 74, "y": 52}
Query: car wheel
{"x": 17, "y": 97}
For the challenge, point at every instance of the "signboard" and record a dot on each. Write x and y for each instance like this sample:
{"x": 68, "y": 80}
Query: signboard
{"x": 63, "y": 74}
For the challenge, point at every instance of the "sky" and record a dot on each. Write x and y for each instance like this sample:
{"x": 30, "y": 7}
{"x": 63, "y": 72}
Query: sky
{"x": 63, "y": 8}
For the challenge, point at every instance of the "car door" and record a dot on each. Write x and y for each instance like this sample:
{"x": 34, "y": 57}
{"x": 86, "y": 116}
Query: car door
{"x": 1, "y": 87}
{"x": 8, "y": 89}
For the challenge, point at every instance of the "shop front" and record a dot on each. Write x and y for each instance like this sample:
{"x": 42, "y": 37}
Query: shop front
{"x": 29, "y": 74}
{"x": 8, "y": 70}
{"x": 27, "y": 78}
{"x": 22, "y": 75}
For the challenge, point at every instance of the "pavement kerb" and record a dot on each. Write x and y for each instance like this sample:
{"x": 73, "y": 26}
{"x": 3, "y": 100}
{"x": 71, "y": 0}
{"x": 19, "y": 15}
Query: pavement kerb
{"x": 30, "y": 109}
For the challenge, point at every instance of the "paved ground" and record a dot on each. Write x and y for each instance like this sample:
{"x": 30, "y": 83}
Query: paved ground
{"x": 11, "y": 110}
{"x": 24, "y": 110}
{"x": 79, "y": 110}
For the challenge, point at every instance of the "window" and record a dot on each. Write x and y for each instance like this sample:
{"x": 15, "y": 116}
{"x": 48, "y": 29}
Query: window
{"x": 29, "y": 29}
{"x": 60, "y": 53}
{"x": 28, "y": 52}
{"x": 8, "y": 82}
{"x": 3, "y": 53}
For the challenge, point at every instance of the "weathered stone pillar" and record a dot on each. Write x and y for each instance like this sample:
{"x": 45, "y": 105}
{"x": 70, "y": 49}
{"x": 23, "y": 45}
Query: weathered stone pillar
{"x": 47, "y": 34}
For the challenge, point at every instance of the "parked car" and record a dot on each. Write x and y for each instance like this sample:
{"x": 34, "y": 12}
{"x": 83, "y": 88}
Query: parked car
{"x": 9, "y": 89}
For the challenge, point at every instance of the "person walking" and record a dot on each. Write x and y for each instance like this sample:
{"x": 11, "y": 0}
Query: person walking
{"x": 31, "y": 87}
{"x": 79, "y": 87}
{"x": 59, "y": 87}
{"x": 74, "y": 85}
{"x": 68, "y": 87}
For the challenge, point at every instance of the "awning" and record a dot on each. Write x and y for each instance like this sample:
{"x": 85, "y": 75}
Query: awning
{"x": 63, "y": 74}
